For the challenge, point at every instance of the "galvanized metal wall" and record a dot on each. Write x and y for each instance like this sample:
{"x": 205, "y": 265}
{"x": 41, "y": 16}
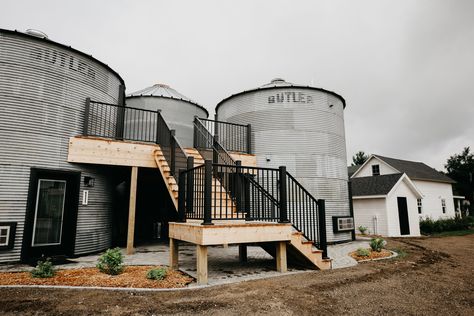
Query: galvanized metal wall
{"x": 178, "y": 114}
{"x": 302, "y": 129}
{"x": 43, "y": 87}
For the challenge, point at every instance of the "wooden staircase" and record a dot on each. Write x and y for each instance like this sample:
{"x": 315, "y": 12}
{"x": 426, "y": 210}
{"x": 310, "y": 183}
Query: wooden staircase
{"x": 301, "y": 252}
{"x": 169, "y": 179}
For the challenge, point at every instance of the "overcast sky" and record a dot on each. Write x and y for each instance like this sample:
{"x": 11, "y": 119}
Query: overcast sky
{"x": 405, "y": 68}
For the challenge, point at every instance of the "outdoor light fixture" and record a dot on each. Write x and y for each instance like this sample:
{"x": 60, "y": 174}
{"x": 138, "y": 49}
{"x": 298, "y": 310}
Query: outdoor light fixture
{"x": 89, "y": 182}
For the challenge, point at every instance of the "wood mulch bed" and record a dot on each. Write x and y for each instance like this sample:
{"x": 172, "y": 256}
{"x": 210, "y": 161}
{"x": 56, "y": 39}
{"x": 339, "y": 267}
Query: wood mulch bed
{"x": 131, "y": 277}
{"x": 373, "y": 255}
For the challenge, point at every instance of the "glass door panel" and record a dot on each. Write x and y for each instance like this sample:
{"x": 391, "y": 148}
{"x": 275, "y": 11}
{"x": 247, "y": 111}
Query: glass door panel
{"x": 49, "y": 212}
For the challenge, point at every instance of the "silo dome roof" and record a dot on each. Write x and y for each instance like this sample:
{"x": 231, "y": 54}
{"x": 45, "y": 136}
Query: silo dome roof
{"x": 163, "y": 91}
{"x": 281, "y": 83}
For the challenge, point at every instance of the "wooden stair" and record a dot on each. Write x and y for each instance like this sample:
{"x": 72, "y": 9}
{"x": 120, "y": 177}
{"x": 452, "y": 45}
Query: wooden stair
{"x": 301, "y": 252}
{"x": 165, "y": 171}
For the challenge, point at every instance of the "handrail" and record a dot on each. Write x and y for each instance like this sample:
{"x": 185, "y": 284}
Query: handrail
{"x": 113, "y": 121}
{"x": 234, "y": 137}
{"x": 209, "y": 141}
{"x": 252, "y": 193}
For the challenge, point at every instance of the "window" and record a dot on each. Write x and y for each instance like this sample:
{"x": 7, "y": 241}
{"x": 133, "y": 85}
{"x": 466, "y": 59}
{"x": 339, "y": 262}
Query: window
{"x": 4, "y": 235}
{"x": 375, "y": 170}
{"x": 7, "y": 235}
{"x": 420, "y": 206}
{"x": 443, "y": 205}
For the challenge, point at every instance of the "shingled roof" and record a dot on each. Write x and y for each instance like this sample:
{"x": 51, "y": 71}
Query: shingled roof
{"x": 416, "y": 170}
{"x": 378, "y": 185}
{"x": 351, "y": 170}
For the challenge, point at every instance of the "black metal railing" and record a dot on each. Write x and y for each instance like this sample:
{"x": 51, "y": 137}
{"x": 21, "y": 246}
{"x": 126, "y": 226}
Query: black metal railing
{"x": 172, "y": 151}
{"x": 238, "y": 192}
{"x": 205, "y": 140}
{"x": 251, "y": 193}
{"x": 119, "y": 122}
{"x": 306, "y": 213}
{"x": 233, "y": 137}
{"x": 127, "y": 123}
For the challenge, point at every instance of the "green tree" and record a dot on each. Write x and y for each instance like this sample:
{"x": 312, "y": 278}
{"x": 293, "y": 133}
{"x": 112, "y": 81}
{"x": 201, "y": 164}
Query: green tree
{"x": 460, "y": 168}
{"x": 359, "y": 158}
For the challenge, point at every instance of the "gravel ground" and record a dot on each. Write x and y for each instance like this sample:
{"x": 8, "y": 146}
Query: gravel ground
{"x": 435, "y": 277}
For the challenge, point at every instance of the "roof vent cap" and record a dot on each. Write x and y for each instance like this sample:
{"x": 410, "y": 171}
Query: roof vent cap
{"x": 277, "y": 80}
{"x": 36, "y": 33}
{"x": 161, "y": 85}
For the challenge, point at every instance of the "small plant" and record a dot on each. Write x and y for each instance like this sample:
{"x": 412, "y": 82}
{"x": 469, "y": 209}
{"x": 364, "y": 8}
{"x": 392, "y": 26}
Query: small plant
{"x": 363, "y": 252}
{"x": 377, "y": 244}
{"x": 156, "y": 274}
{"x": 401, "y": 253}
{"x": 111, "y": 262}
{"x": 44, "y": 269}
{"x": 362, "y": 229}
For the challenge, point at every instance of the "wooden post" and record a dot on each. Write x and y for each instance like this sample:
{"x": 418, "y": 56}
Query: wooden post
{"x": 174, "y": 254}
{"x": 131, "y": 210}
{"x": 281, "y": 256}
{"x": 243, "y": 253}
{"x": 201, "y": 264}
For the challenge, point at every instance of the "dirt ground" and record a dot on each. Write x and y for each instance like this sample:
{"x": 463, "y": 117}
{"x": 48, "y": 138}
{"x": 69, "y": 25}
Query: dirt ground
{"x": 436, "y": 277}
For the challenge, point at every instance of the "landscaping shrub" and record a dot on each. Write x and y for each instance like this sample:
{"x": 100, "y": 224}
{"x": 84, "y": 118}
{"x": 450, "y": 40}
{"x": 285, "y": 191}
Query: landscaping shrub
{"x": 363, "y": 252}
{"x": 156, "y": 274}
{"x": 111, "y": 262}
{"x": 44, "y": 269}
{"x": 362, "y": 229}
{"x": 429, "y": 226}
{"x": 377, "y": 244}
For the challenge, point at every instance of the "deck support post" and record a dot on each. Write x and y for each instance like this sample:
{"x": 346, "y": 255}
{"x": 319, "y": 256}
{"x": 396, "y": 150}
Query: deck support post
{"x": 174, "y": 254}
{"x": 201, "y": 264}
{"x": 131, "y": 210}
{"x": 242, "y": 252}
{"x": 281, "y": 256}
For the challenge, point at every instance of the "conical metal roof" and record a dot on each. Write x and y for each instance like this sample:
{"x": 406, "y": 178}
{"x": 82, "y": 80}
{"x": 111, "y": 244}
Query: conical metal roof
{"x": 281, "y": 83}
{"x": 164, "y": 91}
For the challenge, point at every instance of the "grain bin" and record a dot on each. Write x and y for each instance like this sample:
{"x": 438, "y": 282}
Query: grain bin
{"x": 177, "y": 109}
{"x": 300, "y": 127}
{"x": 43, "y": 88}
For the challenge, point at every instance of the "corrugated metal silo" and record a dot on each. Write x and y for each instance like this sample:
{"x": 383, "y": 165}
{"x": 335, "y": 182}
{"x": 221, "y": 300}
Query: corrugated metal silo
{"x": 43, "y": 87}
{"x": 177, "y": 109}
{"x": 300, "y": 127}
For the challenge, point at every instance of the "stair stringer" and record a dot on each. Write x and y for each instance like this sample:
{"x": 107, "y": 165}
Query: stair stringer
{"x": 301, "y": 252}
{"x": 165, "y": 172}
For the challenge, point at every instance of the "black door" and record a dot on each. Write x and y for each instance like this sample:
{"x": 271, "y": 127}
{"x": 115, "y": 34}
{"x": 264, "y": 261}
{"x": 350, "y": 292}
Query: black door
{"x": 403, "y": 216}
{"x": 51, "y": 216}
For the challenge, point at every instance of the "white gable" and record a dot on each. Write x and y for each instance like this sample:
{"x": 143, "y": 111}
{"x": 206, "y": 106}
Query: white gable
{"x": 366, "y": 169}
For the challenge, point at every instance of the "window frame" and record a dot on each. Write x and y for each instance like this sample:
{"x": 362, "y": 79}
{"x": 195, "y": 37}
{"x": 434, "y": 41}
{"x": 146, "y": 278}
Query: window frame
{"x": 443, "y": 206}
{"x": 419, "y": 203}
{"x": 374, "y": 174}
{"x": 11, "y": 231}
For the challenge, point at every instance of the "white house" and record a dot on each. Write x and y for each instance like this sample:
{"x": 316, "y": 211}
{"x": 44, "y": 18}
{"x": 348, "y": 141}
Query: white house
{"x": 390, "y": 195}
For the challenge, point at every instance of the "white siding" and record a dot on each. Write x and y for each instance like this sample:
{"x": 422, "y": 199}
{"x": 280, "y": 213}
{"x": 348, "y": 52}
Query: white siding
{"x": 366, "y": 170}
{"x": 402, "y": 190}
{"x": 433, "y": 192}
{"x": 371, "y": 213}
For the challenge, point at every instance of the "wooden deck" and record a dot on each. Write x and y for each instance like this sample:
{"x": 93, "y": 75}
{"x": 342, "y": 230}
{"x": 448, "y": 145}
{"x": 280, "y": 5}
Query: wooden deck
{"x": 225, "y": 233}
